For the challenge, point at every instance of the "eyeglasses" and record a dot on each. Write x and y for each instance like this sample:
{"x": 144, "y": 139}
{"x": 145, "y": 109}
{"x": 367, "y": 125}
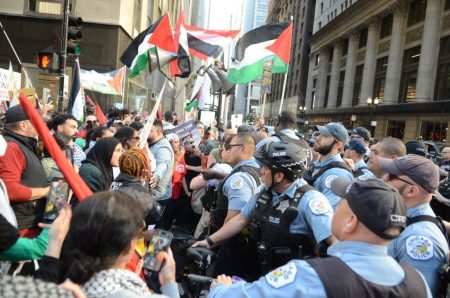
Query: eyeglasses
{"x": 89, "y": 122}
{"x": 395, "y": 177}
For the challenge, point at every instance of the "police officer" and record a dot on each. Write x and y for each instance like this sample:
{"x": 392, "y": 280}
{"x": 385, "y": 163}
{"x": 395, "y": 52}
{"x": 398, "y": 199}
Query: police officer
{"x": 236, "y": 256}
{"x": 445, "y": 163}
{"x": 284, "y": 130}
{"x": 355, "y": 152}
{"x": 422, "y": 244}
{"x": 363, "y": 135}
{"x": 368, "y": 216}
{"x": 286, "y": 213}
{"x": 329, "y": 143}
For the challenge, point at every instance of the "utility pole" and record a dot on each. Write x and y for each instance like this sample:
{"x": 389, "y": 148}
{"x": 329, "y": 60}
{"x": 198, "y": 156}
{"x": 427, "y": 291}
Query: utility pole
{"x": 63, "y": 54}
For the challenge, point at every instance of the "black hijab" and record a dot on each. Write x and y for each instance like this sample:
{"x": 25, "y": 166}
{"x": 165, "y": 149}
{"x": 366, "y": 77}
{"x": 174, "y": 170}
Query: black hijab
{"x": 100, "y": 156}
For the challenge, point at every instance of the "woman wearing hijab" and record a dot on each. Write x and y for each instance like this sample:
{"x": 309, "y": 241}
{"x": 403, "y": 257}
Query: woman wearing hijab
{"x": 97, "y": 170}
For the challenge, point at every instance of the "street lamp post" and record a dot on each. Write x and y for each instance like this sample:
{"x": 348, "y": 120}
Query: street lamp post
{"x": 372, "y": 103}
{"x": 302, "y": 111}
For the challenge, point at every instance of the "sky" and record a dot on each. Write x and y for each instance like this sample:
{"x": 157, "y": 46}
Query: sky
{"x": 221, "y": 10}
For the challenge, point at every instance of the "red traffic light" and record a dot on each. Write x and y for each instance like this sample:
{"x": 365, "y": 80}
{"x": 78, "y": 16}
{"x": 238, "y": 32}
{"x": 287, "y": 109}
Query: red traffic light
{"x": 47, "y": 61}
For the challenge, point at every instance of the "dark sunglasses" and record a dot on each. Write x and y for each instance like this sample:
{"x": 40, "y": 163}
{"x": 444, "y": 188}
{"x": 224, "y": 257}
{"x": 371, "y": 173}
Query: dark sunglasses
{"x": 89, "y": 122}
{"x": 395, "y": 177}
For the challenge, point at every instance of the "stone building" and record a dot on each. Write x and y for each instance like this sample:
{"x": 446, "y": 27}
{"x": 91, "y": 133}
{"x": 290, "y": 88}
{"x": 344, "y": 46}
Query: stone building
{"x": 384, "y": 65}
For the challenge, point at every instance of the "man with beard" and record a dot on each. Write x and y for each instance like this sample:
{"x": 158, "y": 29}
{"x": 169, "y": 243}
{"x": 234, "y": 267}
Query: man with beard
{"x": 329, "y": 143}
{"x": 67, "y": 125}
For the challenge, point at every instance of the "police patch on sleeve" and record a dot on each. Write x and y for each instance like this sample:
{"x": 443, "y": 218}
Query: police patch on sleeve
{"x": 319, "y": 206}
{"x": 329, "y": 179}
{"x": 237, "y": 183}
{"x": 419, "y": 247}
{"x": 282, "y": 276}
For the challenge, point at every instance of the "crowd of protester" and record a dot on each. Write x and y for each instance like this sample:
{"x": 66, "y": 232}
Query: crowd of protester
{"x": 214, "y": 191}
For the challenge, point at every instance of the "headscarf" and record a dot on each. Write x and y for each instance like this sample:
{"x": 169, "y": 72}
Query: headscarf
{"x": 100, "y": 156}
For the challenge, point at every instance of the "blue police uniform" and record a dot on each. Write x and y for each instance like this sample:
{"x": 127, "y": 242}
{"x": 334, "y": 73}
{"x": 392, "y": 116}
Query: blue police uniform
{"x": 314, "y": 216}
{"x": 240, "y": 186}
{"x": 298, "y": 279}
{"x": 288, "y": 132}
{"x": 422, "y": 246}
{"x": 323, "y": 183}
{"x": 367, "y": 173}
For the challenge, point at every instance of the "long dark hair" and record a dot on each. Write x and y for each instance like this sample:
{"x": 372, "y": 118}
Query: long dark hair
{"x": 100, "y": 156}
{"x": 102, "y": 227}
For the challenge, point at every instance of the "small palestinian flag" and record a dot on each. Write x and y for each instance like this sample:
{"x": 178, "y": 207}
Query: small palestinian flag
{"x": 257, "y": 46}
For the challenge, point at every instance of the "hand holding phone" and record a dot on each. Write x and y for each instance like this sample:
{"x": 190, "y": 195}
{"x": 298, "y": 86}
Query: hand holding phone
{"x": 58, "y": 195}
{"x": 153, "y": 259}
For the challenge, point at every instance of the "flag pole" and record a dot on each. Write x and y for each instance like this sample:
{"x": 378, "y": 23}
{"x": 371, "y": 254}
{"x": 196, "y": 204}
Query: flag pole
{"x": 124, "y": 77}
{"x": 285, "y": 77}
{"x": 264, "y": 104}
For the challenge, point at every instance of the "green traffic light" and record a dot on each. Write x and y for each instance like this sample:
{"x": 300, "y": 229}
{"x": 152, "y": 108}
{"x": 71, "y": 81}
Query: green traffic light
{"x": 77, "y": 50}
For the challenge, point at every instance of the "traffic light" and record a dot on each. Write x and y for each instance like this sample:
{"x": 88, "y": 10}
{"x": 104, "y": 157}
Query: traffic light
{"x": 48, "y": 60}
{"x": 74, "y": 35}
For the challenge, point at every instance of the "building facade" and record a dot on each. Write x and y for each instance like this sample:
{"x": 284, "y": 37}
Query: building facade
{"x": 108, "y": 28}
{"x": 295, "y": 91}
{"x": 384, "y": 65}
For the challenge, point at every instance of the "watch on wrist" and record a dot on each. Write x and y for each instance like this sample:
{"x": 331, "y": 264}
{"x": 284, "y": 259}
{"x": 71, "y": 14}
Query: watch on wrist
{"x": 209, "y": 240}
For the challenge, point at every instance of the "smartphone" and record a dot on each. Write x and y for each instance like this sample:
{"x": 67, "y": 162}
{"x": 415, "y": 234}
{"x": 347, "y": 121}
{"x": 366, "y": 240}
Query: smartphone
{"x": 160, "y": 242}
{"x": 59, "y": 192}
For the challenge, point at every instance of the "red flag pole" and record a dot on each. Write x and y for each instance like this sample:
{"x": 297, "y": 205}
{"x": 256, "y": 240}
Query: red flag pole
{"x": 79, "y": 187}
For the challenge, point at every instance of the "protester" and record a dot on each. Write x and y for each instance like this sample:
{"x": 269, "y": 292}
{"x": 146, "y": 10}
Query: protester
{"x": 128, "y": 137}
{"x": 97, "y": 170}
{"x": 67, "y": 125}
{"x": 95, "y": 135}
{"x": 101, "y": 239}
{"x": 391, "y": 148}
{"x": 22, "y": 171}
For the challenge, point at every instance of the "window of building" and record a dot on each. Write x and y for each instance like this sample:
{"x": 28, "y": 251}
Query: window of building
{"x": 396, "y": 129}
{"x": 346, "y": 4}
{"x": 313, "y": 102}
{"x": 408, "y": 80}
{"x": 314, "y": 83}
{"x": 317, "y": 59}
{"x": 358, "y": 82}
{"x": 321, "y": 7}
{"x": 340, "y": 88}
{"x": 48, "y": 7}
{"x": 434, "y": 131}
{"x": 320, "y": 25}
{"x": 342, "y": 7}
{"x": 363, "y": 37}
{"x": 442, "y": 88}
{"x": 380, "y": 78}
{"x": 386, "y": 26}
{"x": 328, "y": 18}
{"x": 137, "y": 16}
{"x": 327, "y": 91}
{"x": 330, "y": 54}
{"x": 416, "y": 12}
{"x": 345, "y": 47}
{"x": 335, "y": 12}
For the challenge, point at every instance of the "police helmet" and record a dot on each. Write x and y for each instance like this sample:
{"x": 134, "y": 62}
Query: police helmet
{"x": 291, "y": 159}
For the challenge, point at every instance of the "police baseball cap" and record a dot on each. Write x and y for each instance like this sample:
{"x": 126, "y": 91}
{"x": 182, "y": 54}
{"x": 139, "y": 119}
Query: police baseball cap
{"x": 416, "y": 147}
{"x": 377, "y": 205}
{"x": 418, "y": 168}
{"x": 358, "y": 146}
{"x": 362, "y": 132}
{"x": 15, "y": 114}
{"x": 337, "y": 130}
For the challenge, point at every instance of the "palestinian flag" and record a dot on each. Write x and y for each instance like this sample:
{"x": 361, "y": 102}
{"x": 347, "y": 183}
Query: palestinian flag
{"x": 77, "y": 101}
{"x": 208, "y": 43}
{"x": 142, "y": 51}
{"x": 257, "y": 46}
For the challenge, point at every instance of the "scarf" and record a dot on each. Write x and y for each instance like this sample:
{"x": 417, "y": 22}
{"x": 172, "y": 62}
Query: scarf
{"x": 100, "y": 156}
{"x": 110, "y": 281}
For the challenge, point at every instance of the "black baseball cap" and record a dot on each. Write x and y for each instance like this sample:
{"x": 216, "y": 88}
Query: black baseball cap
{"x": 420, "y": 169}
{"x": 377, "y": 205}
{"x": 416, "y": 147}
{"x": 15, "y": 114}
{"x": 362, "y": 132}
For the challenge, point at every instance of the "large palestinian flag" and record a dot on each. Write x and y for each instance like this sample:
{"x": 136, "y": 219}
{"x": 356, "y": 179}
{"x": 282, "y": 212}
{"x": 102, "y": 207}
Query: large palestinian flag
{"x": 272, "y": 41}
{"x": 155, "y": 40}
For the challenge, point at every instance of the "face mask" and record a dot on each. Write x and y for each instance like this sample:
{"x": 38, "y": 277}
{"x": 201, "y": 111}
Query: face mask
{"x": 3, "y": 145}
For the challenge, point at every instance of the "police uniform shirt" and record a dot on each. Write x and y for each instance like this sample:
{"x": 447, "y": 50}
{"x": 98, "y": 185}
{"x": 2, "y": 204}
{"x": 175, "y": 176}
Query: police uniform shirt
{"x": 240, "y": 186}
{"x": 367, "y": 174}
{"x": 288, "y": 132}
{"x": 445, "y": 165}
{"x": 298, "y": 279}
{"x": 314, "y": 211}
{"x": 323, "y": 183}
{"x": 422, "y": 246}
